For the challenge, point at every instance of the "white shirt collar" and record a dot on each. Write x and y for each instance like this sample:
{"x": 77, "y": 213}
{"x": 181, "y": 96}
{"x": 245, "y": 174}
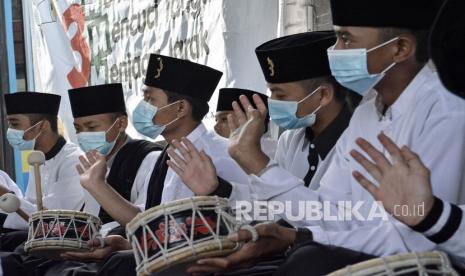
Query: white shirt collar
{"x": 197, "y": 133}
{"x": 406, "y": 98}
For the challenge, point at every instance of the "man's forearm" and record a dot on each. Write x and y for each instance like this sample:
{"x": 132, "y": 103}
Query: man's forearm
{"x": 252, "y": 162}
{"x": 113, "y": 203}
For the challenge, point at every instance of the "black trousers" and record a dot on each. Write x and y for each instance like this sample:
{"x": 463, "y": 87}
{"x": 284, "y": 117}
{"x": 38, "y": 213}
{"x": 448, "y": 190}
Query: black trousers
{"x": 10, "y": 240}
{"x": 307, "y": 259}
{"x": 120, "y": 263}
{"x": 312, "y": 258}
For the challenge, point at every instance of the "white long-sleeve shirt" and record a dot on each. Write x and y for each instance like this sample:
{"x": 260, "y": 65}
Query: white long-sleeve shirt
{"x": 61, "y": 188}
{"x": 8, "y": 183}
{"x": 445, "y": 226}
{"x": 293, "y": 148}
{"x": 428, "y": 119}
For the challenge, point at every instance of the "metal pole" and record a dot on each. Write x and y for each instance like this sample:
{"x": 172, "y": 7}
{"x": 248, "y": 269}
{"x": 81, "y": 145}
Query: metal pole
{"x": 7, "y": 67}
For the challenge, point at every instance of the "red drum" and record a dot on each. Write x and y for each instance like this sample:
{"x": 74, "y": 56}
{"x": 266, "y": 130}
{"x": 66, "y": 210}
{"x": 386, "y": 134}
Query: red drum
{"x": 53, "y": 232}
{"x": 167, "y": 237}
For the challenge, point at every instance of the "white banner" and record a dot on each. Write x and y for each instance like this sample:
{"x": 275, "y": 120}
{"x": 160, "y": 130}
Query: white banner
{"x": 103, "y": 41}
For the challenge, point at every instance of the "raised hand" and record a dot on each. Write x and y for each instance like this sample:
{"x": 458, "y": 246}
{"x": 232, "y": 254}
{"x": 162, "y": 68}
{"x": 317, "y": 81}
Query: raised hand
{"x": 272, "y": 239}
{"x": 403, "y": 183}
{"x": 195, "y": 168}
{"x": 246, "y": 132}
{"x": 92, "y": 170}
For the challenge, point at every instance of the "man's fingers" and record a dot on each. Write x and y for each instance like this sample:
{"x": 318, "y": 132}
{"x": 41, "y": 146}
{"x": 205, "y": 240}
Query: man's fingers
{"x": 254, "y": 115}
{"x": 244, "y": 235}
{"x": 98, "y": 156}
{"x": 91, "y": 157}
{"x": 371, "y": 168}
{"x": 95, "y": 243}
{"x": 412, "y": 159}
{"x": 241, "y": 236}
{"x": 375, "y": 155}
{"x": 79, "y": 169}
{"x": 79, "y": 255}
{"x": 182, "y": 149}
{"x": 392, "y": 148}
{"x": 367, "y": 184}
{"x": 245, "y": 102}
{"x": 85, "y": 164}
{"x": 178, "y": 159}
{"x": 261, "y": 106}
{"x": 194, "y": 152}
{"x": 216, "y": 262}
{"x": 232, "y": 123}
{"x": 175, "y": 167}
{"x": 206, "y": 158}
{"x": 239, "y": 114}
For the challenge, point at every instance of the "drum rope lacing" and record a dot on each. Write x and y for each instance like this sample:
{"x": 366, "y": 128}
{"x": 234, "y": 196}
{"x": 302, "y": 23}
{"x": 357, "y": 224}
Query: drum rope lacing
{"x": 400, "y": 265}
{"x": 142, "y": 254}
{"x": 60, "y": 229}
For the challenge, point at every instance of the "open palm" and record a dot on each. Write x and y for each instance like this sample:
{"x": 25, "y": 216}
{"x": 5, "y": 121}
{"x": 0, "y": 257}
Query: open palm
{"x": 92, "y": 170}
{"x": 195, "y": 168}
{"x": 246, "y": 127}
{"x": 403, "y": 183}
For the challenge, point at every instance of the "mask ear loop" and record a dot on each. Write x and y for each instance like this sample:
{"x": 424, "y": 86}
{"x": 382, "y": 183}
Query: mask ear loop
{"x": 317, "y": 109}
{"x": 168, "y": 105}
{"x": 383, "y": 44}
{"x": 119, "y": 133}
{"x": 309, "y": 95}
{"x": 32, "y": 128}
{"x": 175, "y": 119}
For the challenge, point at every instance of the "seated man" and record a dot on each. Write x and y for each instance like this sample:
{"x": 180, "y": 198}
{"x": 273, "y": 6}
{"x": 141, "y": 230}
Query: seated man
{"x": 306, "y": 101}
{"x": 174, "y": 108}
{"x": 224, "y": 108}
{"x": 408, "y": 183}
{"x": 32, "y": 125}
{"x": 387, "y": 51}
{"x": 100, "y": 120}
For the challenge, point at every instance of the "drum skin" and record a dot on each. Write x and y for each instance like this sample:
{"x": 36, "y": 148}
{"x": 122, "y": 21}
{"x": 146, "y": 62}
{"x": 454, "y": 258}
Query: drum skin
{"x": 53, "y": 232}
{"x": 172, "y": 230}
{"x": 171, "y": 235}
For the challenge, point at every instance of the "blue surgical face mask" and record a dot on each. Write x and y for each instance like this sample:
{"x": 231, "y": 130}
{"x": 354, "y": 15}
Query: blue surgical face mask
{"x": 142, "y": 119}
{"x": 283, "y": 113}
{"x": 16, "y": 138}
{"x": 350, "y": 68}
{"x": 97, "y": 141}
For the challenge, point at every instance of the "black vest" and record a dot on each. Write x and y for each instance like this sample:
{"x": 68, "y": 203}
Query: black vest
{"x": 124, "y": 169}
{"x": 157, "y": 181}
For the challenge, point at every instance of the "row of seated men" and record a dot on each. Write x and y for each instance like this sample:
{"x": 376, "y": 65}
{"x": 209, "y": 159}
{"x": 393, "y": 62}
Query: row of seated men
{"x": 378, "y": 51}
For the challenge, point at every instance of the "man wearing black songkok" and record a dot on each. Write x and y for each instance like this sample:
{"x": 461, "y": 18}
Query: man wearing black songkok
{"x": 382, "y": 47}
{"x": 33, "y": 125}
{"x": 224, "y": 108}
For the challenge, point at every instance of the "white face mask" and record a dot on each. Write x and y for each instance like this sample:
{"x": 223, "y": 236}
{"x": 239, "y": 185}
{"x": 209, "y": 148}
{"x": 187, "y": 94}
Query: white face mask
{"x": 283, "y": 113}
{"x": 142, "y": 119}
{"x": 350, "y": 68}
{"x": 16, "y": 138}
{"x": 97, "y": 141}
